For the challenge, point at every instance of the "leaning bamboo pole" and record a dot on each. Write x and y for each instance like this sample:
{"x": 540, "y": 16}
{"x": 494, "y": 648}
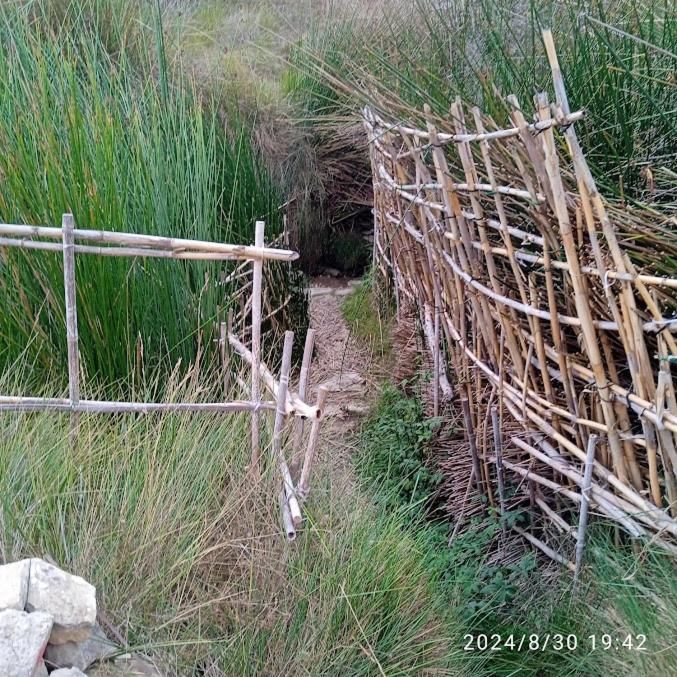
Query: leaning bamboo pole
{"x": 257, "y": 268}
{"x": 280, "y": 416}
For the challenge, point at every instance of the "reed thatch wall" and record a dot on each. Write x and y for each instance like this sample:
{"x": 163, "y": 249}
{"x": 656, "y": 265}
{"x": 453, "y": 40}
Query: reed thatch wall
{"x": 544, "y": 329}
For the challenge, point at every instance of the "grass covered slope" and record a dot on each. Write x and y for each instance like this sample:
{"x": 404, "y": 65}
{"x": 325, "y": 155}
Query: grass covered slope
{"x": 93, "y": 121}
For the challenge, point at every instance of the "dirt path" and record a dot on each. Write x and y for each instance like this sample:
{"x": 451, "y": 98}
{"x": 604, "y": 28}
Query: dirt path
{"x": 342, "y": 364}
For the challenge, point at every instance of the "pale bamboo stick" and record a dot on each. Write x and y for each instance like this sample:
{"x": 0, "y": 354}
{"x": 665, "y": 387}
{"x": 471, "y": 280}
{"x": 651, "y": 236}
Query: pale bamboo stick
{"x": 304, "y": 484}
{"x": 32, "y": 404}
{"x": 280, "y": 415}
{"x": 287, "y": 522}
{"x": 303, "y": 384}
{"x": 498, "y": 134}
{"x": 294, "y": 403}
{"x": 237, "y": 251}
{"x": 67, "y": 227}
{"x": 585, "y": 502}
{"x": 256, "y": 298}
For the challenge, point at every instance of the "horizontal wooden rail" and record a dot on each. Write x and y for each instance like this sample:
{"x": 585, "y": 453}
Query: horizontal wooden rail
{"x": 10, "y": 403}
{"x": 145, "y": 245}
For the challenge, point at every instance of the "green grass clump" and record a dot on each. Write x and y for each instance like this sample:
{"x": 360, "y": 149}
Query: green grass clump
{"x": 369, "y": 317}
{"x": 109, "y": 132}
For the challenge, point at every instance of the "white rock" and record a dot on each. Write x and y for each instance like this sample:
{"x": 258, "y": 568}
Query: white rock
{"x": 23, "y": 638}
{"x": 81, "y": 654}
{"x": 70, "y": 600}
{"x": 14, "y": 585}
{"x": 68, "y": 672}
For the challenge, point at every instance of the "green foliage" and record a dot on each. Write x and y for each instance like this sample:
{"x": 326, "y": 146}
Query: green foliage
{"x": 393, "y": 447}
{"x": 124, "y": 144}
{"x": 369, "y": 316}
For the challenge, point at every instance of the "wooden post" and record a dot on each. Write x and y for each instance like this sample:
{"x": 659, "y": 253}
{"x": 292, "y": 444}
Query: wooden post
{"x": 280, "y": 415}
{"x": 303, "y": 385}
{"x": 257, "y": 266}
{"x": 67, "y": 228}
{"x": 472, "y": 442}
{"x": 585, "y": 503}
{"x": 498, "y": 446}
{"x": 287, "y": 521}
{"x": 304, "y": 484}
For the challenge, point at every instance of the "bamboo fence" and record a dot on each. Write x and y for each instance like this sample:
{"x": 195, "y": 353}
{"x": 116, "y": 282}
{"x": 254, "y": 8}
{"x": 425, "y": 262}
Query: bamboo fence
{"x": 542, "y": 330}
{"x": 284, "y": 403}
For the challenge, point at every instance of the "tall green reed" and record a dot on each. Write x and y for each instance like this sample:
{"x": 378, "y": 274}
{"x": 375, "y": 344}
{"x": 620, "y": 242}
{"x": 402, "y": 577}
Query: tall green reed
{"x": 89, "y": 125}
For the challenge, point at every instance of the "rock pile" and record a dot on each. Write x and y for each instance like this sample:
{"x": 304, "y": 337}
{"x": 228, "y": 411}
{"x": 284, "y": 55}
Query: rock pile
{"x": 48, "y": 626}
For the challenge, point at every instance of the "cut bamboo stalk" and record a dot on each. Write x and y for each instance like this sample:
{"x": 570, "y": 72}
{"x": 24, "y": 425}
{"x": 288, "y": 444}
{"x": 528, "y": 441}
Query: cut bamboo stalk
{"x": 294, "y": 403}
{"x": 287, "y": 522}
{"x": 280, "y": 415}
{"x": 67, "y": 227}
{"x": 545, "y": 549}
{"x": 257, "y": 269}
{"x": 303, "y": 384}
{"x": 498, "y": 449}
{"x": 585, "y": 503}
{"x": 472, "y": 443}
{"x": 304, "y": 484}
{"x": 154, "y": 243}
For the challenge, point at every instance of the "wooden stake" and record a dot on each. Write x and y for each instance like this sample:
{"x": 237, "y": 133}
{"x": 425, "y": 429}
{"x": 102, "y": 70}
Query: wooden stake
{"x": 304, "y": 484}
{"x": 498, "y": 448}
{"x": 585, "y": 503}
{"x": 303, "y": 384}
{"x": 257, "y": 267}
{"x": 280, "y": 415}
{"x": 67, "y": 228}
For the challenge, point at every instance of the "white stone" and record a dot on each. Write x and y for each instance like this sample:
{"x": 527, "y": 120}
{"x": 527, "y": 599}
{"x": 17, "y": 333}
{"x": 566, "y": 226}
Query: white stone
{"x": 14, "y": 585}
{"x": 68, "y": 672}
{"x": 23, "y": 638}
{"x": 70, "y": 600}
{"x": 81, "y": 654}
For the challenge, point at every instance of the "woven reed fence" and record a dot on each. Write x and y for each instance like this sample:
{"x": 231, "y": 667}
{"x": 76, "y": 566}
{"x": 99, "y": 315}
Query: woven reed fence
{"x": 542, "y": 330}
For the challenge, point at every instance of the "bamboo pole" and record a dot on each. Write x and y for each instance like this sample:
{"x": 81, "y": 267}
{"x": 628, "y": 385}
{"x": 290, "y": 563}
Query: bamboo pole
{"x": 303, "y": 384}
{"x": 294, "y": 403}
{"x": 304, "y": 484}
{"x": 585, "y": 502}
{"x": 498, "y": 448}
{"x": 67, "y": 227}
{"x": 280, "y": 415}
{"x": 34, "y": 404}
{"x": 181, "y": 248}
{"x": 287, "y": 522}
{"x": 257, "y": 268}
